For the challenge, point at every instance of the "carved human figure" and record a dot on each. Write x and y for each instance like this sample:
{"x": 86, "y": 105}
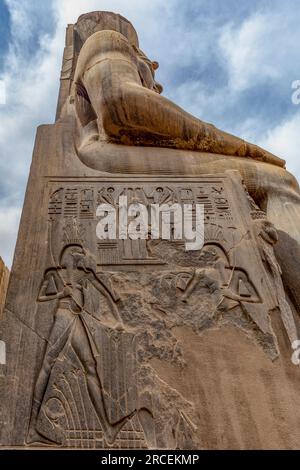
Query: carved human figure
{"x": 68, "y": 283}
{"x": 267, "y": 237}
{"x": 229, "y": 286}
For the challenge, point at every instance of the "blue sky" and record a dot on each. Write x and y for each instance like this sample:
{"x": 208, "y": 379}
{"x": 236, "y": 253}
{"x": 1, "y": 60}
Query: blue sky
{"x": 230, "y": 62}
{"x": 4, "y": 29}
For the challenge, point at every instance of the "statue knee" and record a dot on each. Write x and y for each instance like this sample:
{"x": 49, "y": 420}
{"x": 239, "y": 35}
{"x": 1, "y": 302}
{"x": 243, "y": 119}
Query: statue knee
{"x": 280, "y": 183}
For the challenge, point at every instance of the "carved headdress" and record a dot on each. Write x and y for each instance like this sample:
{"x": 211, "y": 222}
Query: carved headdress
{"x": 90, "y": 23}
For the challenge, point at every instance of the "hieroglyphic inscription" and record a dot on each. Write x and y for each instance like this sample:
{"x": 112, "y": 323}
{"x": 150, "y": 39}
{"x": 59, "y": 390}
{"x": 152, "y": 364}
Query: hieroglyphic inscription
{"x": 82, "y": 200}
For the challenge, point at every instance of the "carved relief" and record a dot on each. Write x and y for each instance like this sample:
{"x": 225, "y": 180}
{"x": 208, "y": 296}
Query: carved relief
{"x": 70, "y": 284}
{"x": 267, "y": 237}
{"x": 81, "y": 202}
{"x": 89, "y": 391}
{"x": 96, "y": 387}
{"x": 68, "y": 60}
{"x": 112, "y": 343}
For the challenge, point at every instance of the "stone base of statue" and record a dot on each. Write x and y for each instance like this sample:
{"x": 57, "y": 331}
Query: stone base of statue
{"x": 202, "y": 358}
{"x": 139, "y": 344}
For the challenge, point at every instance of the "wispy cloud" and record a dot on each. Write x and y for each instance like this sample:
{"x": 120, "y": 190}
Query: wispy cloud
{"x": 284, "y": 139}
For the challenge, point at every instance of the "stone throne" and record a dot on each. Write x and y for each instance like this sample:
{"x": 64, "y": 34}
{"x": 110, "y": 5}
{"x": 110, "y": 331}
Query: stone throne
{"x": 132, "y": 344}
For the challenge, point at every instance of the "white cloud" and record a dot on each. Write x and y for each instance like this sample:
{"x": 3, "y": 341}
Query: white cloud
{"x": 260, "y": 50}
{"x": 197, "y": 100}
{"x": 9, "y": 222}
{"x": 69, "y": 11}
{"x": 2, "y": 92}
{"x": 284, "y": 140}
{"x": 31, "y": 87}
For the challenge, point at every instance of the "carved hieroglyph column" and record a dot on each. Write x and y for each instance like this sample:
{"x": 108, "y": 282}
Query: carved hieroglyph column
{"x": 132, "y": 344}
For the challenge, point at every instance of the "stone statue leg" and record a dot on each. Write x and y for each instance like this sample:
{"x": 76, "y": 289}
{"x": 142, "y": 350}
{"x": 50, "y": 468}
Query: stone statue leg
{"x": 60, "y": 334}
{"x": 84, "y": 347}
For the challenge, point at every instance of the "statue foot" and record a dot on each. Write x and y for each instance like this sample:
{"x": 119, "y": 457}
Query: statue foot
{"x": 113, "y": 431}
{"x": 34, "y": 438}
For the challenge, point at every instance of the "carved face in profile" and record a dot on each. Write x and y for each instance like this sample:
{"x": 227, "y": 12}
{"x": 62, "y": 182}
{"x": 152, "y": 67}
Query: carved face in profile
{"x": 76, "y": 257}
{"x": 267, "y": 231}
{"x": 86, "y": 262}
{"x": 68, "y": 255}
{"x": 208, "y": 256}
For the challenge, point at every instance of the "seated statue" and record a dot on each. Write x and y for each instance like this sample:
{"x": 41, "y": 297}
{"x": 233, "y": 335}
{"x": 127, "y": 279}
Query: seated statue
{"x": 125, "y": 125}
{"x": 118, "y": 81}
